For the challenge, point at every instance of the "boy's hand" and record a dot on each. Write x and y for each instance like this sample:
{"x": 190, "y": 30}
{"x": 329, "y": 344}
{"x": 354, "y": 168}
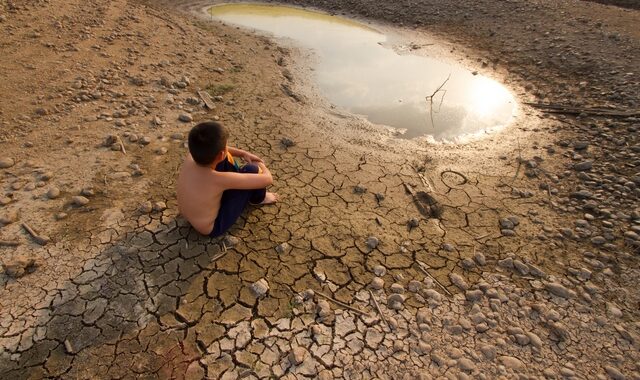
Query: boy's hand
{"x": 251, "y": 158}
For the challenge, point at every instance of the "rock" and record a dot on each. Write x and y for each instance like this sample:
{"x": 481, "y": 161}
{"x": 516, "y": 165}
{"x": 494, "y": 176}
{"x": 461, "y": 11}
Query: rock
{"x": 297, "y": 355}
{"x": 87, "y": 192}
{"x": 511, "y": 363}
{"x": 185, "y": 118}
{"x": 145, "y": 207}
{"x": 283, "y": 248}
{"x": 19, "y": 266}
{"x": 473, "y": 295}
{"x": 53, "y": 193}
{"x": 466, "y": 364}
{"x": 9, "y": 217}
{"x": 144, "y": 140}
{"x": 359, "y": 189}
{"x": 559, "y": 290}
{"x": 6, "y": 162}
{"x": 230, "y": 241}
{"x": 377, "y": 283}
{"x": 60, "y": 215}
{"x": 372, "y": 242}
{"x": 397, "y": 288}
{"x": 396, "y": 298}
{"x": 413, "y": 223}
{"x": 614, "y": 373}
{"x": 458, "y": 281}
{"x": 260, "y": 288}
{"x": 583, "y": 166}
{"x": 159, "y": 206}
{"x": 287, "y": 142}
{"x": 479, "y": 258}
{"x": 414, "y": 286}
{"x": 489, "y": 351}
{"x": 79, "y": 201}
{"x": 379, "y": 270}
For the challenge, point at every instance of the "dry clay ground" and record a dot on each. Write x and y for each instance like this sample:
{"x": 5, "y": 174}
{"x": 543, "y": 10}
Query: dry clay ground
{"x": 536, "y": 247}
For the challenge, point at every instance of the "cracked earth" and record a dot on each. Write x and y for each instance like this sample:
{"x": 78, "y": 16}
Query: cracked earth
{"x": 528, "y": 269}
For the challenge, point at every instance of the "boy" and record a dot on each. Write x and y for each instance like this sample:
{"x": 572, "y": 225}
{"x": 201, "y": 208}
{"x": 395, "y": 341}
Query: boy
{"x": 212, "y": 189}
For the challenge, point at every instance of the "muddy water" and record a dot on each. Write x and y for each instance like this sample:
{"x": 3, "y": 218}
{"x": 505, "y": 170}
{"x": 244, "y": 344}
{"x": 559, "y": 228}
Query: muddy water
{"x": 356, "y": 71}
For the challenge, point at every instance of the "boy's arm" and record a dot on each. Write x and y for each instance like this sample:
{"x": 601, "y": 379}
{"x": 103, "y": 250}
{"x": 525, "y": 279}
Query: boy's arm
{"x": 248, "y": 157}
{"x": 246, "y": 181}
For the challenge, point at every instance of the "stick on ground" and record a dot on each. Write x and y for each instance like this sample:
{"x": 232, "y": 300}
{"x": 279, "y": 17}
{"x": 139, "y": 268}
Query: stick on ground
{"x": 375, "y": 303}
{"x": 340, "y": 303}
{"x": 423, "y": 267}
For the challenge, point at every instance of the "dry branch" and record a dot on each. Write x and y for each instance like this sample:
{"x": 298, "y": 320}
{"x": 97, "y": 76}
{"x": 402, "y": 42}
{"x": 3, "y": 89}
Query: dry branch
{"x": 429, "y": 99}
{"x": 423, "y": 267}
{"x": 375, "y": 303}
{"x": 340, "y": 303}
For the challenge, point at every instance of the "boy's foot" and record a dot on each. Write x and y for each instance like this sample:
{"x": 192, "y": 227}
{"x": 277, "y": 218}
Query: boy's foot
{"x": 269, "y": 198}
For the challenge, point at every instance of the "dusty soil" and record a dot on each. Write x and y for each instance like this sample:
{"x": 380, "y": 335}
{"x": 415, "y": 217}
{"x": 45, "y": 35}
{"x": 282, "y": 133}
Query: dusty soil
{"x": 536, "y": 248}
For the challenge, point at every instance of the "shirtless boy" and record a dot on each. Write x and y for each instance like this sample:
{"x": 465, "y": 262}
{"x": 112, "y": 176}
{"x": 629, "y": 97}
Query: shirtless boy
{"x": 212, "y": 189}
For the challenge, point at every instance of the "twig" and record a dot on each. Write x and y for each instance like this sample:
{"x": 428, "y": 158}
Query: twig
{"x": 340, "y": 303}
{"x": 424, "y": 267}
{"x": 42, "y": 240}
{"x": 430, "y": 99}
{"x": 219, "y": 256}
{"x": 375, "y": 303}
{"x": 124, "y": 151}
{"x": 9, "y": 243}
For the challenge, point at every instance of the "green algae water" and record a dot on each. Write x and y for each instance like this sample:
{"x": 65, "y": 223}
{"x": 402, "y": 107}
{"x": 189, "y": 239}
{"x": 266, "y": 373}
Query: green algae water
{"x": 356, "y": 72}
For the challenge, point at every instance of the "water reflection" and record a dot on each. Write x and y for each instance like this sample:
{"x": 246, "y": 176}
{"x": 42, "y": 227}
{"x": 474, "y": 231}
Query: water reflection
{"x": 356, "y": 72}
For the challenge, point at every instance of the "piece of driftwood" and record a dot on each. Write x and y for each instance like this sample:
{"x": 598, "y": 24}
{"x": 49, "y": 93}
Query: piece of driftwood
{"x": 40, "y": 239}
{"x": 375, "y": 304}
{"x": 423, "y": 267}
{"x": 593, "y": 111}
{"x": 206, "y": 98}
{"x": 340, "y": 303}
{"x": 9, "y": 243}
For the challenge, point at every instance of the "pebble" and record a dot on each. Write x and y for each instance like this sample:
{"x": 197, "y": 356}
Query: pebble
{"x": 6, "y": 162}
{"x": 260, "y": 288}
{"x": 458, "y": 281}
{"x": 159, "y": 206}
{"x": 359, "y": 189}
{"x": 377, "y": 283}
{"x": 283, "y": 248}
{"x": 287, "y": 142}
{"x": 473, "y": 295}
{"x": 79, "y": 200}
{"x": 53, "y": 193}
{"x": 60, "y": 215}
{"x": 614, "y": 373}
{"x": 396, "y": 301}
{"x": 230, "y": 241}
{"x": 559, "y": 290}
{"x": 583, "y": 166}
{"x": 414, "y": 286}
{"x": 479, "y": 258}
{"x": 372, "y": 242}
{"x": 511, "y": 363}
{"x": 379, "y": 270}
{"x": 466, "y": 364}
{"x": 185, "y": 118}
{"x": 397, "y": 288}
{"x": 145, "y": 207}
{"x": 9, "y": 217}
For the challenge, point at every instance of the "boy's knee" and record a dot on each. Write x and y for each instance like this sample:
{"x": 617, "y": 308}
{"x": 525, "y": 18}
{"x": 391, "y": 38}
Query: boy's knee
{"x": 250, "y": 168}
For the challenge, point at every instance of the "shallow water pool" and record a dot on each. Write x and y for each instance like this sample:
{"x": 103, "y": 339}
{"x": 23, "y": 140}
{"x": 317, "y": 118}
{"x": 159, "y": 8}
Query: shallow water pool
{"x": 355, "y": 71}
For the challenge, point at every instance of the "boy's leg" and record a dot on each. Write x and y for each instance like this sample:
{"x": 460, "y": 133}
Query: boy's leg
{"x": 233, "y": 203}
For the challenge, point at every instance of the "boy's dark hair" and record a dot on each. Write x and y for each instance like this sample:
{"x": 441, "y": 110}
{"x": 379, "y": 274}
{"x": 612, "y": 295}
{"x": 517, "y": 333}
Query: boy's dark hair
{"x": 206, "y": 140}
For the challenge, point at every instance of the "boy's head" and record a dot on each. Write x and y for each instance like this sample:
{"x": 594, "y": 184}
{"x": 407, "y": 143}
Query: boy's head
{"x": 206, "y": 141}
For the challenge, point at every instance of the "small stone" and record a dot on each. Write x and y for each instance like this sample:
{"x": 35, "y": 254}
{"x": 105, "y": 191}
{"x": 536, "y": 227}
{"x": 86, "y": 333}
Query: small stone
{"x": 60, "y": 215}
{"x": 159, "y": 206}
{"x": 414, "y": 286}
{"x": 466, "y": 364}
{"x": 53, "y": 193}
{"x": 9, "y": 217}
{"x": 260, "y": 288}
{"x": 473, "y": 295}
{"x": 413, "y": 223}
{"x": 230, "y": 241}
{"x": 372, "y": 242}
{"x": 283, "y": 248}
{"x": 287, "y": 142}
{"x": 614, "y": 373}
{"x": 79, "y": 201}
{"x": 308, "y": 294}
{"x": 489, "y": 351}
{"x": 145, "y": 207}
{"x": 377, "y": 283}
{"x": 145, "y": 140}
{"x": 359, "y": 189}
{"x": 458, "y": 281}
{"x": 379, "y": 270}
{"x": 479, "y": 258}
{"x": 6, "y": 162}
{"x": 19, "y": 266}
{"x": 583, "y": 166}
{"x": 559, "y": 290}
{"x": 397, "y": 288}
{"x": 511, "y": 363}
{"x": 185, "y": 118}
{"x": 87, "y": 192}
